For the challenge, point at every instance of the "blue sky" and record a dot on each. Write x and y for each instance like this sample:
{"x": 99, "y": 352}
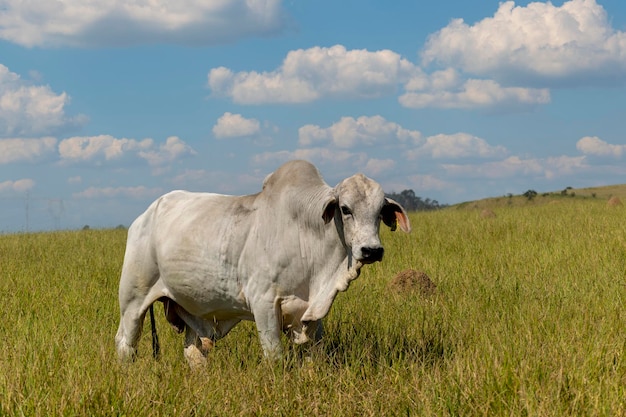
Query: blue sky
{"x": 105, "y": 105}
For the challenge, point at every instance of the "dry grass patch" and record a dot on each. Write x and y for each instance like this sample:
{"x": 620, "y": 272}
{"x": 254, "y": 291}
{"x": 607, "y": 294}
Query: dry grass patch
{"x": 487, "y": 214}
{"x": 411, "y": 280}
{"x": 614, "y": 202}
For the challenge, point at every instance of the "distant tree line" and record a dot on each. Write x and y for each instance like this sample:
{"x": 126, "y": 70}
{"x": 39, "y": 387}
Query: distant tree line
{"x": 412, "y": 202}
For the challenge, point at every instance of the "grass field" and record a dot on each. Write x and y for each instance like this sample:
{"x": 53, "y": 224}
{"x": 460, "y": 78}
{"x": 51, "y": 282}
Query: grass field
{"x": 528, "y": 320}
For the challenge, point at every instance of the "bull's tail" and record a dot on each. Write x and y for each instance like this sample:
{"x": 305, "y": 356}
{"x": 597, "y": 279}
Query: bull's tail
{"x": 155, "y": 338}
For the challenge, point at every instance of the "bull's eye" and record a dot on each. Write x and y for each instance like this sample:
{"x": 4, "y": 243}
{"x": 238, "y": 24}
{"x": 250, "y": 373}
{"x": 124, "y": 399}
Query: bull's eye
{"x": 346, "y": 211}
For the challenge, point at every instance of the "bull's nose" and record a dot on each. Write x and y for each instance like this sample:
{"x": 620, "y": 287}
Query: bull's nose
{"x": 372, "y": 254}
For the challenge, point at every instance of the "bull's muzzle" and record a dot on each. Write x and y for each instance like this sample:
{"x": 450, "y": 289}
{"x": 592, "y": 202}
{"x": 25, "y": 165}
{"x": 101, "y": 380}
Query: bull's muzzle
{"x": 372, "y": 254}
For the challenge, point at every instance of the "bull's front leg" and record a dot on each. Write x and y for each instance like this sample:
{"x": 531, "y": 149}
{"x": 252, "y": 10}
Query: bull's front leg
{"x": 268, "y": 320}
{"x": 308, "y": 332}
{"x": 314, "y": 347}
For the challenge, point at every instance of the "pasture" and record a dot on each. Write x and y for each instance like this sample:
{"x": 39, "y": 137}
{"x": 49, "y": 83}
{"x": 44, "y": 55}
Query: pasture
{"x": 527, "y": 318}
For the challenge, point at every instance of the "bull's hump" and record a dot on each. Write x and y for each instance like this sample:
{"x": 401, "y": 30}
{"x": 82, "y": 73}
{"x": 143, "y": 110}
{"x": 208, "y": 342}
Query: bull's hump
{"x": 296, "y": 173}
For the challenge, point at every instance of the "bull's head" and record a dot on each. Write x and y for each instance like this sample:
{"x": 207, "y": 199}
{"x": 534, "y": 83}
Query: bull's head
{"x": 357, "y": 205}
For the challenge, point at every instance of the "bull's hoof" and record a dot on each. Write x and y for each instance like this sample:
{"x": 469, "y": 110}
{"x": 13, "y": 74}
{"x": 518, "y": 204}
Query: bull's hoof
{"x": 195, "y": 358}
{"x": 126, "y": 353}
{"x": 206, "y": 345}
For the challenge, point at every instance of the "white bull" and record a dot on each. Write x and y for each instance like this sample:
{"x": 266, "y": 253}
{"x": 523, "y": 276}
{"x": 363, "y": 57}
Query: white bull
{"x": 278, "y": 257}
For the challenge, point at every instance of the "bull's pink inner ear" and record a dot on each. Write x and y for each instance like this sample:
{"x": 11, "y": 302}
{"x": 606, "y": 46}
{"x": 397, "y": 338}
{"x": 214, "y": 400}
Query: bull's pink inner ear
{"x": 393, "y": 215}
{"x": 402, "y": 220}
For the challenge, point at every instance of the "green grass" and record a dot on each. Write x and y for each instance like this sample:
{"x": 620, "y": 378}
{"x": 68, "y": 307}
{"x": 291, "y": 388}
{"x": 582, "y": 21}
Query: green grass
{"x": 528, "y": 319}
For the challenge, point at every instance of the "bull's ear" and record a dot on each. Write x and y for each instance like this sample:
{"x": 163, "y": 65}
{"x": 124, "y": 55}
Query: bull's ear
{"x": 393, "y": 215}
{"x": 329, "y": 210}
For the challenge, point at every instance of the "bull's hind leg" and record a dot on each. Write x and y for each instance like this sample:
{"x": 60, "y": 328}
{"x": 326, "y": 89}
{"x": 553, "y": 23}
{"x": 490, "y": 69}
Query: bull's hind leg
{"x": 129, "y": 331}
{"x": 139, "y": 288}
{"x": 200, "y": 336}
{"x": 134, "y": 302}
{"x": 196, "y": 348}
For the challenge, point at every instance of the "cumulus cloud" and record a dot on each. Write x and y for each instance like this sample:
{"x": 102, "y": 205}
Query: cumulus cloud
{"x": 319, "y": 156}
{"x": 310, "y": 74}
{"x": 173, "y": 148}
{"x": 19, "y": 186}
{"x": 437, "y": 80}
{"x": 26, "y": 150}
{"x": 31, "y": 110}
{"x": 137, "y": 193}
{"x": 114, "y": 23}
{"x": 102, "y": 147}
{"x": 458, "y": 145}
{"x": 363, "y": 131}
{"x": 539, "y": 42}
{"x": 231, "y": 125}
{"x": 593, "y": 145}
{"x": 557, "y": 166}
{"x": 106, "y": 148}
{"x": 514, "y": 165}
{"x": 475, "y": 94}
{"x": 428, "y": 182}
{"x": 377, "y": 166}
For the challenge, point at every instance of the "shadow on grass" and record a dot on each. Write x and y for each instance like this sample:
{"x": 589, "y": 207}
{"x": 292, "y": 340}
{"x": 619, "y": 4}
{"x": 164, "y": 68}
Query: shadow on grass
{"x": 368, "y": 346}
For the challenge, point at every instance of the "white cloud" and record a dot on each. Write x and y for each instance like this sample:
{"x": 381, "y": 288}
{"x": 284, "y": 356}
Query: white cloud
{"x": 231, "y": 125}
{"x": 539, "y": 42}
{"x": 106, "y": 148}
{"x": 593, "y": 145}
{"x": 364, "y": 131}
{"x": 515, "y": 166}
{"x": 173, "y": 148}
{"x": 438, "y": 80}
{"x": 428, "y": 182}
{"x": 137, "y": 193}
{"x": 377, "y": 166}
{"x": 318, "y": 156}
{"x": 558, "y": 166}
{"x": 102, "y": 147}
{"x": 115, "y": 23}
{"x": 17, "y": 186}
{"x": 31, "y": 110}
{"x": 458, "y": 145}
{"x": 508, "y": 167}
{"x": 474, "y": 94}
{"x": 310, "y": 74}
{"x": 29, "y": 150}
